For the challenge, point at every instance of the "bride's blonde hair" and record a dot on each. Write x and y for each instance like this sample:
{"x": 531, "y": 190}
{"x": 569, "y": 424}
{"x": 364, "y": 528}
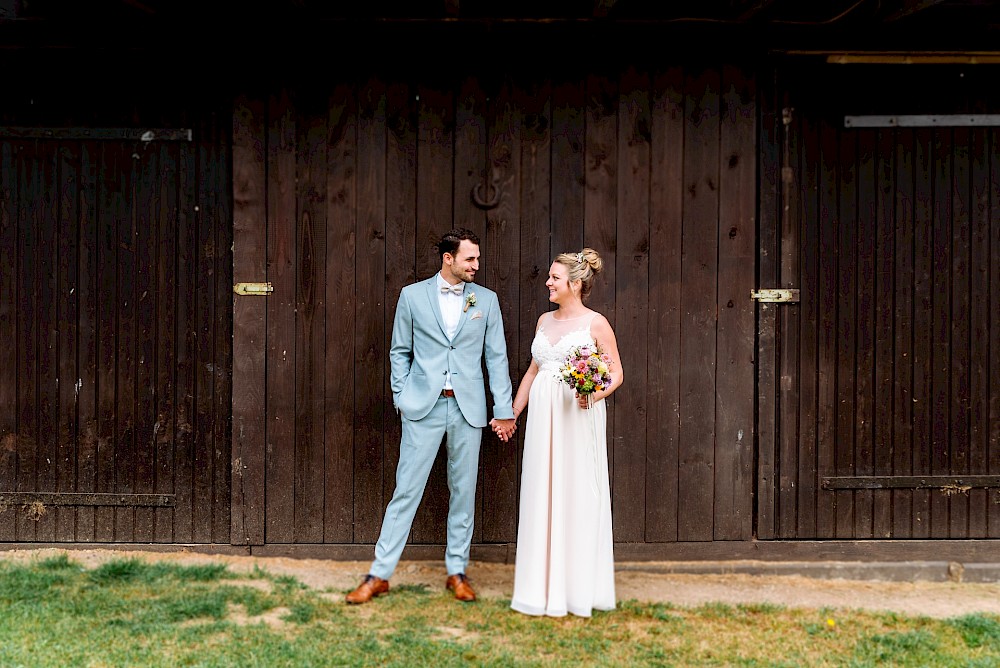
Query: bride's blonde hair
{"x": 584, "y": 266}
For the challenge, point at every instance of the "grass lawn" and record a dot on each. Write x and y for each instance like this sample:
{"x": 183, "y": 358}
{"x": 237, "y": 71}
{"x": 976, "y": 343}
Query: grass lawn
{"x": 129, "y": 612}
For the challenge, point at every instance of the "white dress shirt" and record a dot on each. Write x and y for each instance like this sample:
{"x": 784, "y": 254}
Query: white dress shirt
{"x": 451, "y": 313}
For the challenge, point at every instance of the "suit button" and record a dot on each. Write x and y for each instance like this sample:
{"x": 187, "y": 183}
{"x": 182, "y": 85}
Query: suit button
{"x": 453, "y": 347}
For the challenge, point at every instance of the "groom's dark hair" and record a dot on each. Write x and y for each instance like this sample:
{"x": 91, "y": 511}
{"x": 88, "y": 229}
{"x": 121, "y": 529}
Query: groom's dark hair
{"x": 452, "y": 239}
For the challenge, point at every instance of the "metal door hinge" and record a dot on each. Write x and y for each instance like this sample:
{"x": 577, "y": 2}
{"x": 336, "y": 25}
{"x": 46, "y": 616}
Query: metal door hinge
{"x": 771, "y": 295}
{"x": 259, "y": 289}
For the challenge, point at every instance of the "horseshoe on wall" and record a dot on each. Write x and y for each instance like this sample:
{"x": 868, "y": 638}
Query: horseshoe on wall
{"x": 477, "y": 194}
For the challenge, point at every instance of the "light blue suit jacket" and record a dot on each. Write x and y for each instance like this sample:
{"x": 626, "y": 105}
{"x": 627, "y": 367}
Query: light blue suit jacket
{"x": 421, "y": 354}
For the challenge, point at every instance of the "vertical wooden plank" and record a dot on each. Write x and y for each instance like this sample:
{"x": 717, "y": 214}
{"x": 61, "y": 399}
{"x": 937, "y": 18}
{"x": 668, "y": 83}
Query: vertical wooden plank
{"x": 110, "y": 179}
{"x": 400, "y": 230}
{"x": 371, "y": 349}
{"x": 147, "y": 295}
{"x": 737, "y": 242}
{"x": 903, "y": 332}
{"x": 281, "y": 247}
{"x": 699, "y": 320}
{"x": 941, "y": 406}
{"x": 205, "y": 318}
{"x": 663, "y": 327}
{"x": 923, "y": 285}
{"x": 165, "y": 427}
{"x": 67, "y": 308}
{"x": 770, "y": 191}
{"x": 568, "y": 165}
{"x": 867, "y": 203}
{"x": 9, "y": 330}
{"x": 993, "y": 434}
{"x": 29, "y": 250}
{"x": 827, "y": 433}
{"x": 310, "y": 299}
{"x": 979, "y": 326}
{"x": 600, "y": 215}
{"x": 352, "y": 473}
{"x": 601, "y": 195}
{"x": 87, "y": 397}
{"x": 865, "y": 342}
{"x": 788, "y": 327}
{"x": 185, "y": 513}
{"x": 501, "y": 246}
{"x": 537, "y": 178}
{"x": 883, "y": 422}
{"x": 632, "y": 304}
{"x": 958, "y": 317}
{"x": 471, "y": 169}
{"x": 47, "y": 360}
{"x": 473, "y": 175}
{"x": 847, "y": 286}
{"x": 249, "y": 371}
{"x": 813, "y": 170}
{"x": 435, "y": 155}
{"x": 127, "y": 362}
{"x": 219, "y": 213}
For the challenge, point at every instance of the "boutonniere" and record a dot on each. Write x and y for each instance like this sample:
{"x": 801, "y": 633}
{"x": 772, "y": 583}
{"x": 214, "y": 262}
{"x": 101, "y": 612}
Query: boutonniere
{"x": 470, "y": 300}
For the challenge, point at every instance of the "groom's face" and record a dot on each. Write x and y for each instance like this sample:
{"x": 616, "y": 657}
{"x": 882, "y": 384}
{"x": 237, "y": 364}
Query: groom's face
{"x": 464, "y": 264}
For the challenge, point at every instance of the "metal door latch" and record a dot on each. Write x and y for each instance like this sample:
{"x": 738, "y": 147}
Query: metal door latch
{"x": 258, "y": 289}
{"x": 773, "y": 295}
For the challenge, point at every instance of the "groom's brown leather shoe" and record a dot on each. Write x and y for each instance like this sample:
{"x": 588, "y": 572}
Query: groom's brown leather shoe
{"x": 459, "y": 584}
{"x": 372, "y": 586}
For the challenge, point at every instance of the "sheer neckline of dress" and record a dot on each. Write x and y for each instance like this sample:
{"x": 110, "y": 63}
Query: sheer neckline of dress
{"x": 562, "y": 328}
{"x": 552, "y": 315}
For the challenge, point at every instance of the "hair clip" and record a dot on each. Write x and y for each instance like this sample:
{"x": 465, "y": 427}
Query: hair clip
{"x": 579, "y": 257}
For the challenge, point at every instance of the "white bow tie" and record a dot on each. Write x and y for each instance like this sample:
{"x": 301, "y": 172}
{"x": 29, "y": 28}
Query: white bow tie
{"x": 454, "y": 289}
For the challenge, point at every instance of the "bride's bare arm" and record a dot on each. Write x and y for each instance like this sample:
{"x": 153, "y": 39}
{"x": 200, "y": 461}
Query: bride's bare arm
{"x": 521, "y": 398}
{"x": 604, "y": 335}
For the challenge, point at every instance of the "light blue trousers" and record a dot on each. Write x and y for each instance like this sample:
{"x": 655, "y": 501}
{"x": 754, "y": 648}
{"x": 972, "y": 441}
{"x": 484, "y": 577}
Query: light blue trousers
{"x": 418, "y": 448}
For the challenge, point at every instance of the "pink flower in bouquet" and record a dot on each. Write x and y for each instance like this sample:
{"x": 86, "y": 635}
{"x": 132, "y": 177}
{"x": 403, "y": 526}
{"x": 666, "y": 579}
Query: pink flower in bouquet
{"x": 587, "y": 370}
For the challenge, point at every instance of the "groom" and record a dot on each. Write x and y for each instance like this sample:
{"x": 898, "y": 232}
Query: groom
{"x": 443, "y": 329}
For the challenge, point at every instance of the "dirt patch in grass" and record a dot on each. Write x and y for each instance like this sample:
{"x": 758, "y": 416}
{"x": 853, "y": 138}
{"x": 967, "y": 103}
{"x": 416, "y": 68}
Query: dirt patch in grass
{"x": 272, "y": 618}
{"x": 932, "y": 599}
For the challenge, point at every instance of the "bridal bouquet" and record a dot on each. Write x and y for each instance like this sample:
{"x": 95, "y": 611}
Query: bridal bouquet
{"x": 587, "y": 369}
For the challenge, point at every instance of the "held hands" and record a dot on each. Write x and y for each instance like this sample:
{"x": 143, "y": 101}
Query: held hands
{"x": 504, "y": 428}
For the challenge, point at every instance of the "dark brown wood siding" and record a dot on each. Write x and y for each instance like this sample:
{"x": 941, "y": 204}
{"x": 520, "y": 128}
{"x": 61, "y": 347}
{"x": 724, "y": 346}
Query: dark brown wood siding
{"x": 348, "y": 186}
{"x": 887, "y": 383}
{"x": 115, "y": 317}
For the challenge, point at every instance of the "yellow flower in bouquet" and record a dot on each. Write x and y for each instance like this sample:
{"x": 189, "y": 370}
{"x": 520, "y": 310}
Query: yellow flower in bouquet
{"x": 587, "y": 369}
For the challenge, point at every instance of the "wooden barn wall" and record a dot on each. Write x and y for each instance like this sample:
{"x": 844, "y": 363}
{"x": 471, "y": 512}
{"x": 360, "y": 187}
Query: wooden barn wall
{"x": 890, "y": 364}
{"x": 115, "y": 312}
{"x": 341, "y": 185}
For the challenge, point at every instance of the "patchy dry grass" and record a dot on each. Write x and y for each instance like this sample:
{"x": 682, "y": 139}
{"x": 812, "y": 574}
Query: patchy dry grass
{"x": 129, "y": 612}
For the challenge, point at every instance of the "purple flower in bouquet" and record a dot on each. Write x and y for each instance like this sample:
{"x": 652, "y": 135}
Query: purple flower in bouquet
{"x": 587, "y": 370}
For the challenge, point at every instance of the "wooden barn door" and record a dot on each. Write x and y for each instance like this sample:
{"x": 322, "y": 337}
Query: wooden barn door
{"x": 879, "y": 390}
{"x": 339, "y": 197}
{"x": 114, "y": 329}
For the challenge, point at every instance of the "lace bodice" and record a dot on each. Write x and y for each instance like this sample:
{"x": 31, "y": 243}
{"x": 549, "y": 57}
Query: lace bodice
{"x": 555, "y": 338}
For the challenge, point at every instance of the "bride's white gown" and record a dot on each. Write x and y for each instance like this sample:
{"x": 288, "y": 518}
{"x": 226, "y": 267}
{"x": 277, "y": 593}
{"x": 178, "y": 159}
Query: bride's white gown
{"x": 565, "y": 560}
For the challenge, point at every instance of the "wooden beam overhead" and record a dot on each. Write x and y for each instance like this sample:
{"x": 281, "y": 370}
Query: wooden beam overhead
{"x": 603, "y": 7}
{"x": 751, "y": 10}
{"x": 911, "y": 7}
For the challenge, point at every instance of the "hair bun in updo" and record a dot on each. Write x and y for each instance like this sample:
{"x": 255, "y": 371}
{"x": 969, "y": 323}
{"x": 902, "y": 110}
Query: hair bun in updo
{"x": 593, "y": 259}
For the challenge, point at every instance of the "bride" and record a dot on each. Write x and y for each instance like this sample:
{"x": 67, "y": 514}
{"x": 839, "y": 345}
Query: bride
{"x": 564, "y": 560}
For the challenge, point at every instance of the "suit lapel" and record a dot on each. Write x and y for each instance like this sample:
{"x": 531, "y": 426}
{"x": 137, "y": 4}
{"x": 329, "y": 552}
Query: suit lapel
{"x": 435, "y": 303}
